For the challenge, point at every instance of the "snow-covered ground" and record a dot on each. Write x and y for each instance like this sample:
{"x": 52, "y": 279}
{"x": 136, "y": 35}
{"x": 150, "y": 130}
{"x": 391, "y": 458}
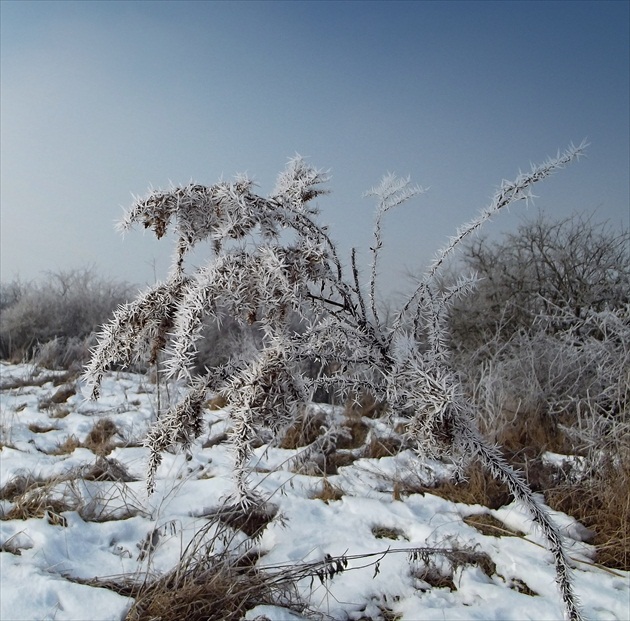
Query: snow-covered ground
{"x": 114, "y": 529}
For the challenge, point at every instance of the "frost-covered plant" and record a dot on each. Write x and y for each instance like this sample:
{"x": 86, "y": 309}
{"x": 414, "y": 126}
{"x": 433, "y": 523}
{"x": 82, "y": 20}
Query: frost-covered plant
{"x": 51, "y": 321}
{"x": 272, "y": 261}
{"x": 545, "y": 337}
{"x": 578, "y": 377}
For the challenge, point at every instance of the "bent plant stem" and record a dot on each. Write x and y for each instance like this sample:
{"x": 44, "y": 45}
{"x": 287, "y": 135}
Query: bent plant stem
{"x": 241, "y": 437}
{"x": 497, "y": 466}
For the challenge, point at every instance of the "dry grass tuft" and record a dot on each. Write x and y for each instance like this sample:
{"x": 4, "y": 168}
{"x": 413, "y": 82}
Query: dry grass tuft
{"x": 328, "y": 492}
{"x": 438, "y": 571}
{"x": 37, "y": 380}
{"x": 218, "y": 402}
{"x": 67, "y": 446}
{"x": 107, "y": 470}
{"x": 223, "y": 592}
{"x": 487, "y": 524}
{"x": 598, "y": 499}
{"x": 252, "y": 522}
{"x": 59, "y": 412}
{"x": 477, "y": 488}
{"x": 387, "y": 614}
{"x": 386, "y": 532}
{"x": 63, "y": 393}
{"x": 530, "y": 434}
{"x": 520, "y": 586}
{"x": 431, "y": 577}
{"x": 19, "y": 485}
{"x": 364, "y": 405}
{"x": 338, "y": 459}
{"x": 218, "y": 438}
{"x": 379, "y": 447}
{"x": 473, "y": 557}
{"x": 210, "y": 586}
{"x": 11, "y": 546}
{"x": 110, "y": 504}
{"x": 99, "y": 438}
{"x": 355, "y": 433}
{"x": 305, "y": 430}
{"x": 602, "y": 504}
{"x": 38, "y": 498}
{"x": 37, "y": 428}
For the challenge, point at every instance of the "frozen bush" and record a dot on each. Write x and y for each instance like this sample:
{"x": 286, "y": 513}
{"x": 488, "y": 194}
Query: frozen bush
{"x": 64, "y": 309}
{"x": 551, "y": 271}
{"x": 547, "y": 331}
{"x": 271, "y": 262}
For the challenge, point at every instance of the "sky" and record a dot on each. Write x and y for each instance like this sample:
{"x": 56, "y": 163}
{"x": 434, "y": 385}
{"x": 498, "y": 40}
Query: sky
{"x": 102, "y": 100}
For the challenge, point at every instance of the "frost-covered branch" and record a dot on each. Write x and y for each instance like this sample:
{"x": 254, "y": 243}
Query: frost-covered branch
{"x": 391, "y": 192}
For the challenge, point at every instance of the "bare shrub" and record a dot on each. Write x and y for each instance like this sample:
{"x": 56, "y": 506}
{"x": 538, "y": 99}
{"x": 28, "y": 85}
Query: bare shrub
{"x": 55, "y": 318}
{"x": 62, "y": 352}
{"x": 561, "y": 270}
{"x": 571, "y": 389}
{"x": 10, "y": 293}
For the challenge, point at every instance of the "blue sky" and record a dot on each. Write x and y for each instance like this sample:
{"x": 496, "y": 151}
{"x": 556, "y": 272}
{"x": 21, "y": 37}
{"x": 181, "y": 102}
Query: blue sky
{"x": 103, "y": 99}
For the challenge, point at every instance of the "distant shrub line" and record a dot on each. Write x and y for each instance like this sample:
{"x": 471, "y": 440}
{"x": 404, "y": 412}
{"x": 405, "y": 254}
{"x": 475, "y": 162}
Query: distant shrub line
{"x": 52, "y": 322}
